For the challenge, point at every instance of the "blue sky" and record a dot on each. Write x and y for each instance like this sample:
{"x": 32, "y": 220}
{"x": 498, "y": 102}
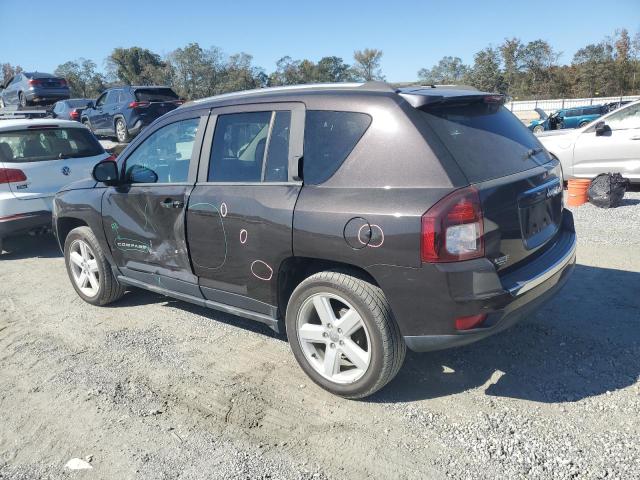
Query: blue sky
{"x": 412, "y": 34}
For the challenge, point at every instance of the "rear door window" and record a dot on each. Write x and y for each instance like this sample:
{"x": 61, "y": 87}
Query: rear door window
{"x": 486, "y": 140}
{"x": 329, "y": 138}
{"x": 239, "y": 145}
{"x": 38, "y": 145}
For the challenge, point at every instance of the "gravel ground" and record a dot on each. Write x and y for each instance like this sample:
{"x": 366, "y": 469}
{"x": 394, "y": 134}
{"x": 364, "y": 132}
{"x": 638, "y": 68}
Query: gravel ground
{"x": 153, "y": 388}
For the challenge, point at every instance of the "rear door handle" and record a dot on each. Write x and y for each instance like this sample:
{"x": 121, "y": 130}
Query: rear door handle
{"x": 171, "y": 203}
{"x": 637, "y": 137}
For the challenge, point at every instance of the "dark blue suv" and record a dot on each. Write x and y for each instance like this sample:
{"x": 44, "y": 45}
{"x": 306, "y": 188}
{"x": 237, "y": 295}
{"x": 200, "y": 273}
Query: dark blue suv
{"x": 122, "y": 112}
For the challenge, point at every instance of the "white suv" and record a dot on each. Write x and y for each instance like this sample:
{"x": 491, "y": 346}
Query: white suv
{"x": 37, "y": 158}
{"x": 609, "y": 144}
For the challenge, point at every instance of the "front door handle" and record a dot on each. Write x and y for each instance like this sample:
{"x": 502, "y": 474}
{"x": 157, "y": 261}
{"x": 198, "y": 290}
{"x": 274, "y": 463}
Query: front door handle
{"x": 171, "y": 203}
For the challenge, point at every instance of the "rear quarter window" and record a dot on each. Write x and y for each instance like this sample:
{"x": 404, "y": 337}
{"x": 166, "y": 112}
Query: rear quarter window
{"x": 329, "y": 138}
{"x": 37, "y": 145}
{"x": 486, "y": 140}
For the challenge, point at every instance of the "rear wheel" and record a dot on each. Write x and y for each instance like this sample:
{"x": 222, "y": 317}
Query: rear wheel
{"x": 2, "y": 102}
{"x": 343, "y": 335}
{"x": 88, "y": 269}
{"x": 122, "y": 133}
{"x": 582, "y": 124}
{"x": 22, "y": 99}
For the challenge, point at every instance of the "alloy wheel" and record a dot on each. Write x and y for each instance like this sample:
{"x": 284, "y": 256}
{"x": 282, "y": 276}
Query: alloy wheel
{"x": 84, "y": 268}
{"x": 334, "y": 338}
{"x": 121, "y": 131}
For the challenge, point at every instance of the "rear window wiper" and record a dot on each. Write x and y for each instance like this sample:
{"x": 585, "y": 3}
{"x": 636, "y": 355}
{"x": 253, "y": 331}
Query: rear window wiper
{"x": 532, "y": 152}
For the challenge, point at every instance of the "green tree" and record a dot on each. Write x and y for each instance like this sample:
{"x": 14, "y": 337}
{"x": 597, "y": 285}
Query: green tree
{"x": 367, "y": 64}
{"x": 593, "y": 66}
{"x": 538, "y": 59}
{"x": 84, "y": 80}
{"x": 197, "y": 72}
{"x": 511, "y": 51}
{"x": 138, "y": 66}
{"x": 9, "y": 71}
{"x": 449, "y": 70}
{"x": 240, "y": 74}
{"x": 486, "y": 74}
{"x": 333, "y": 69}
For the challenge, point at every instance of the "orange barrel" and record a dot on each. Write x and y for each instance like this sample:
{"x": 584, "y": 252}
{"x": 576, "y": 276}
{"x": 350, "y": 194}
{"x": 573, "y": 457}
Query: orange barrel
{"x": 578, "y": 191}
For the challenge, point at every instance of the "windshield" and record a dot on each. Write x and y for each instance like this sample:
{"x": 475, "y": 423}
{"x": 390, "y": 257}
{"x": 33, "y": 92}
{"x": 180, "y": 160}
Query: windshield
{"x": 38, "y": 145}
{"x": 486, "y": 140}
{"x": 156, "y": 95}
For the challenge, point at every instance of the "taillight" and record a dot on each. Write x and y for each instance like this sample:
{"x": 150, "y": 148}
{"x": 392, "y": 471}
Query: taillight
{"x": 179, "y": 102}
{"x": 12, "y": 175}
{"x": 471, "y": 321}
{"x": 63, "y": 82}
{"x": 452, "y": 230}
{"x": 74, "y": 114}
{"x": 34, "y": 82}
{"x": 138, "y": 104}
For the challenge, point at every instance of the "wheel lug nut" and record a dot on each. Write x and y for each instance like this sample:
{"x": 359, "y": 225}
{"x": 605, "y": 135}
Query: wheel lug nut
{"x": 329, "y": 325}
{"x": 325, "y": 334}
{"x": 333, "y": 345}
{"x": 341, "y": 342}
{"x": 339, "y": 330}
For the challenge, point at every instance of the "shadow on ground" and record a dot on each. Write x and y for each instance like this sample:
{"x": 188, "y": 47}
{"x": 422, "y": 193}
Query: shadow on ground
{"x": 30, "y": 246}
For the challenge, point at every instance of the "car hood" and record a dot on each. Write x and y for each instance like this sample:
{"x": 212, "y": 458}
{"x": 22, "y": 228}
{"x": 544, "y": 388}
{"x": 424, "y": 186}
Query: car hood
{"x": 555, "y": 133}
{"x": 541, "y": 113}
{"x": 80, "y": 185}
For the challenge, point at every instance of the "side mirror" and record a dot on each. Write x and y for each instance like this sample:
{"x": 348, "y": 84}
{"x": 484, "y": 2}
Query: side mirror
{"x": 140, "y": 174}
{"x": 602, "y": 129}
{"x": 106, "y": 171}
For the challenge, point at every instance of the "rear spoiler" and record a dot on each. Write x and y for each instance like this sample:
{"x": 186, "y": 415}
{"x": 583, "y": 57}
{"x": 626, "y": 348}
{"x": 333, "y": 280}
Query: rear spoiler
{"x": 420, "y": 98}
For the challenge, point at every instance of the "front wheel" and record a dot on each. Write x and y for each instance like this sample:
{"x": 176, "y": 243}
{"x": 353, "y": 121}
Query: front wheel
{"x": 89, "y": 270}
{"x": 343, "y": 335}
{"x": 538, "y": 129}
{"x": 122, "y": 133}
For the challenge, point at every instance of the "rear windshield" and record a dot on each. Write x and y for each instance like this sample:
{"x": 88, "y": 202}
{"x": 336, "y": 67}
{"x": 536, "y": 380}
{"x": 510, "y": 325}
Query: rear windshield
{"x": 486, "y": 140}
{"x": 155, "y": 95}
{"x": 47, "y": 144}
{"x": 77, "y": 103}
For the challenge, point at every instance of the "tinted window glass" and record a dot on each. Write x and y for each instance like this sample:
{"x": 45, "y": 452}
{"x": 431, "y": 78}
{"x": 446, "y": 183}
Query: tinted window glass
{"x": 77, "y": 103}
{"x": 486, "y": 140}
{"x": 112, "y": 96}
{"x": 329, "y": 138}
{"x": 165, "y": 154}
{"x": 48, "y": 144}
{"x": 238, "y": 149}
{"x": 155, "y": 95}
{"x": 277, "y": 166}
{"x": 101, "y": 100}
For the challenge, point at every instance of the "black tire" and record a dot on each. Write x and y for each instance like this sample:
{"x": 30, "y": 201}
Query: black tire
{"x": 538, "y": 129}
{"x": 109, "y": 289}
{"x": 122, "y": 132}
{"x": 87, "y": 123}
{"x": 582, "y": 124}
{"x": 387, "y": 345}
{"x": 22, "y": 99}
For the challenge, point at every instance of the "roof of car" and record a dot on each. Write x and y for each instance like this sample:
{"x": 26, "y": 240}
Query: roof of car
{"x": 18, "y": 123}
{"x": 355, "y": 87}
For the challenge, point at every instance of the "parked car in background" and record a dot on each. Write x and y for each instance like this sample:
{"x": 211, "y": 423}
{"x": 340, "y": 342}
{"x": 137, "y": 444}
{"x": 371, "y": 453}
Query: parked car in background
{"x": 611, "y": 144}
{"x": 37, "y": 158}
{"x": 122, "y": 112}
{"x": 29, "y": 88}
{"x": 422, "y": 217}
{"x": 567, "y": 118}
{"x": 70, "y": 109}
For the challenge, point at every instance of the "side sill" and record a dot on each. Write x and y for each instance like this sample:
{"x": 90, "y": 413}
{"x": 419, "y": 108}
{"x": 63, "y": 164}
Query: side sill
{"x": 271, "y": 322}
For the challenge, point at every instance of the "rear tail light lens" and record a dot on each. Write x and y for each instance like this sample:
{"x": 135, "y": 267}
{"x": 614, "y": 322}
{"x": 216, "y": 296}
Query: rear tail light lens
{"x": 12, "y": 175}
{"x": 471, "y": 321}
{"x": 453, "y": 230}
{"x": 74, "y": 114}
{"x": 34, "y": 82}
{"x": 63, "y": 82}
{"x": 138, "y": 104}
{"x": 179, "y": 102}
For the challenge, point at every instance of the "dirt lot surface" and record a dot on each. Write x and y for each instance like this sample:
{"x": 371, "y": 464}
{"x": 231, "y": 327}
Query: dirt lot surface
{"x": 152, "y": 388}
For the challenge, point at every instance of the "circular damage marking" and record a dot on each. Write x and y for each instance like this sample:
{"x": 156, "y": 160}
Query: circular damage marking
{"x": 378, "y": 238}
{"x": 223, "y": 209}
{"x": 360, "y": 234}
{"x": 261, "y": 270}
{"x": 243, "y": 236}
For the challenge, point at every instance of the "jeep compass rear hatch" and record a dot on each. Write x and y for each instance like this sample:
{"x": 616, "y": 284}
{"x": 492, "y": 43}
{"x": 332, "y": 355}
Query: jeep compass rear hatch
{"x": 519, "y": 187}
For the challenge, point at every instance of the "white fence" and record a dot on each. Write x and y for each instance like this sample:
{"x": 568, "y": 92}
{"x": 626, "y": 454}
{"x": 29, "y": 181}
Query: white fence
{"x": 550, "y": 106}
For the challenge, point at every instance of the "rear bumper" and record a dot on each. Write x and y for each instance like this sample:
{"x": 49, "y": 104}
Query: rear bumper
{"x": 24, "y": 223}
{"x": 426, "y": 301}
{"x": 41, "y": 94}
